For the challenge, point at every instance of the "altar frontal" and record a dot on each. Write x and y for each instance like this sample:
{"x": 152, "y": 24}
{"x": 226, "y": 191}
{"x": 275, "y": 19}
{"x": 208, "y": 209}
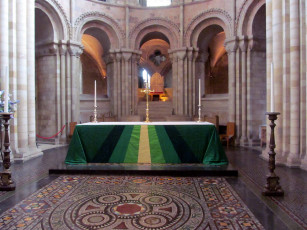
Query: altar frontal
{"x": 158, "y": 142}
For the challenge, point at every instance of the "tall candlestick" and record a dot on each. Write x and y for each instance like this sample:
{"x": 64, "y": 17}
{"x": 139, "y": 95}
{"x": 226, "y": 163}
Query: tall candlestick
{"x": 6, "y": 90}
{"x": 199, "y": 93}
{"x": 95, "y": 95}
{"x": 272, "y": 87}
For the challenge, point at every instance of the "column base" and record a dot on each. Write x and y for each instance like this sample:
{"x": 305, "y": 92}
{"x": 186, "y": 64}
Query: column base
{"x": 293, "y": 162}
{"x": 27, "y": 154}
{"x": 304, "y": 164}
{"x": 254, "y": 142}
{"x": 243, "y": 141}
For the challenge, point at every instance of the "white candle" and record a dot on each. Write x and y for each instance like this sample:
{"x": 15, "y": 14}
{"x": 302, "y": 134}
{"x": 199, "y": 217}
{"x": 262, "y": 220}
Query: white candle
{"x": 95, "y": 96}
{"x": 6, "y": 90}
{"x": 199, "y": 93}
{"x": 272, "y": 87}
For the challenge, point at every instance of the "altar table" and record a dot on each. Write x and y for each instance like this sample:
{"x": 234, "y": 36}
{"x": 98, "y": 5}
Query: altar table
{"x": 140, "y": 142}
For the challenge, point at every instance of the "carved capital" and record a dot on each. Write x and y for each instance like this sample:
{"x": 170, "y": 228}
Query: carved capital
{"x": 231, "y": 44}
{"x": 118, "y": 56}
{"x": 75, "y": 49}
{"x": 62, "y": 47}
{"x": 126, "y": 55}
{"x": 190, "y": 53}
{"x": 243, "y": 43}
{"x": 50, "y": 49}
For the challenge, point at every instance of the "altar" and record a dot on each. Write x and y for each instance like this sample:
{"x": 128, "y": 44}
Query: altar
{"x": 151, "y": 143}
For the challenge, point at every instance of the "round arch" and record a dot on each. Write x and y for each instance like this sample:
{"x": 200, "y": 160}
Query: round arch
{"x": 205, "y": 19}
{"x": 58, "y": 19}
{"x": 102, "y": 22}
{"x": 163, "y": 26}
{"x": 246, "y": 17}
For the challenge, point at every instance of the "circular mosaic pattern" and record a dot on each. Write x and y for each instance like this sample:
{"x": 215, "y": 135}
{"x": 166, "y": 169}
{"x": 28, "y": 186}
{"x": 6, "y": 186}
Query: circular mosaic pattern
{"x": 127, "y": 210}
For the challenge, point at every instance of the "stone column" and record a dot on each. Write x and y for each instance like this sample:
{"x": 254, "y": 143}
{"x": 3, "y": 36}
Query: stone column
{"x": 46, "y": 78}
{"x": 181, "y": 54}
{"x": 68, "y": 92}
{"x": 62, "y": 51}
{"x": 243, "y": 48}
{"x": 118, "y": 83}
{"x": 13, "y": 69}
{"x": 111, "y": 79}
{"x": 127, "y": 82}
{"x": 293, "y": 158}
{"x": 190, "y": 81}
{"x": 31, "y": 74}
{"x": 4, "y": 40}
{"x": 238, "y": 96}
{"x": 277, "y": 57}
{"x": 195, "y": 55}
{"x": 22, "y": 82}
{"x": 75, "y": 50}
{"x": 231, "y": 47}
{"x": 174, "y": 60}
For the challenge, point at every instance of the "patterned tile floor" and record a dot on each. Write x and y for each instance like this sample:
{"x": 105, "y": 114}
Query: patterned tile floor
{"x": 131, "y": 202}
{"x": 33, "y": 175}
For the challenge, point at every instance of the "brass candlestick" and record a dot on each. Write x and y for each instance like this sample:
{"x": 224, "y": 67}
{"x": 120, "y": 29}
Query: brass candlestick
{"x": 147, "y": 91}
{"x": 272, "y": 187}
{"x": 6, "y": 182}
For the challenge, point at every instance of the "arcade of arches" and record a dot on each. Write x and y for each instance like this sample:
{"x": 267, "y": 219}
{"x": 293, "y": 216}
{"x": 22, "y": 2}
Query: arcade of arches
{"x": 56, "y": 49}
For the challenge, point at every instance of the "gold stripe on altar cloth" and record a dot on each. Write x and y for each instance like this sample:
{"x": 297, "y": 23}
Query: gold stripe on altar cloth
{"x": 144, "y": 147}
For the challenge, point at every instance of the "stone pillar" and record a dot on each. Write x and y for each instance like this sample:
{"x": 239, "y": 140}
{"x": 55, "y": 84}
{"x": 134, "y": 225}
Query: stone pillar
{"x": 174, "y": 60}
{"x": 231, "y": 47}
{"x": 62, "y": 51}
{"x": 13, "y": 71}
{"x": 195, "y": 55}
{"x": 118, "y": 83}
{"x": 126, "y": 96}
{"x": 68, "y": 92}
{"x": 238, "y": 96}
{"x": 190, "y": 82}
{"x": 285, "y": 82}
{"x": 111, "y": 74}
{"x": 135, "y": 60}
{"x": 75, "y": 50}
{"x": 46, "y": 78}
{"x": 4, "y": 40}
{"x": 31, "y": 74}
{"x": 22, "y": 82}
{"x": 243, "y": 48}
{"x": 293, "y": 158}
{"x": 181, "y": 54}
{"x": 277, "y": 57}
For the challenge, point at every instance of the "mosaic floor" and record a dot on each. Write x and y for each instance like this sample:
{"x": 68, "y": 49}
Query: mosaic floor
{"x": 129, "y": 202}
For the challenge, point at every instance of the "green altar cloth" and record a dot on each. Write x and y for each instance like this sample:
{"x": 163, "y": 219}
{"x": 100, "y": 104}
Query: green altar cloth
{"x": 158, "y": 144}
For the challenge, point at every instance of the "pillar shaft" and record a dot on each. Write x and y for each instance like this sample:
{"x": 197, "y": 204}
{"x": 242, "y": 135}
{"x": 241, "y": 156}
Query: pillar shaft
{"x": 4, "y": 40}
{"x": 31, "y": 72}
{"x": 62, "y": 49}
{"x": 243, "y": 48}
{"x": 21, "y": 27}
{"x": 294, "y": 83}
{"x": 231, "y": 47}
{"x": 277, "y": 57}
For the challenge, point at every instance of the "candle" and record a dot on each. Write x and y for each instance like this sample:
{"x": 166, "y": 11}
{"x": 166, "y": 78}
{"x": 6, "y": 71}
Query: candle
{"x": 95, "y": 96}
{"x": 6, "y": 90}
{"x": 199, "y": 92}
{"x": 272, "y": 87}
